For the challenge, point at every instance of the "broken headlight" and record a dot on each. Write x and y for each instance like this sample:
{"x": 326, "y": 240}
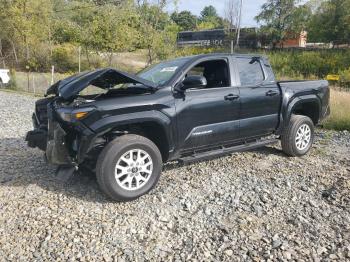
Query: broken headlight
{"x": 69, "y": 115}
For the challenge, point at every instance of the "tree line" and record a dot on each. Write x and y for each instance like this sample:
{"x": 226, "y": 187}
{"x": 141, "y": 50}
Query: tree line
{"x": 324, "y": 20}
{"x": 34, "y": 34}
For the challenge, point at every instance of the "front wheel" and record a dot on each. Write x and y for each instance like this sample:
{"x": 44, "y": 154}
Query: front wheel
{"x": 128, "y": 167}
{"x": 298, "y": 137}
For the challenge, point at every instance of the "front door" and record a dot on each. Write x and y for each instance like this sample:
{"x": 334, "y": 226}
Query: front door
{"x": 208, "y": 116}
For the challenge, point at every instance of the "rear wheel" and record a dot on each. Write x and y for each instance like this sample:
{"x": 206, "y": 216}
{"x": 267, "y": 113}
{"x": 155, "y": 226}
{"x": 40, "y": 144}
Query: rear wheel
{"x": 1, "y": 83}
{"x": 128, "y": 167}
{"x": 298, "y": 137}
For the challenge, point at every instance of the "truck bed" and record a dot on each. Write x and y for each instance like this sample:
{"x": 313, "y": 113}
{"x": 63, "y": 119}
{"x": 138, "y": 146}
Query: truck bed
{"x": 305, "y": 90}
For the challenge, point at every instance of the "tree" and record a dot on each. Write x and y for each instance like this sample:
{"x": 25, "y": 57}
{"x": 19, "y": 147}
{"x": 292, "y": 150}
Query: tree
{"x": 25, "y": 24}
{"x": 104, "y": 29}
{"x": 232, "y": 18}
{"x": 185, "y": 20}
{"x": 209, "y": 12}
{"x": 301, "y": 17}
{"x": 280, "y": 18}
{"x": 232, "y": 13}
{"x": 110, "y": 31}
{"x": 210, "y": 19}
{"x": 331, "y": 22}
{"x": 157, "y": 33}
{"x": 39, "y": 32}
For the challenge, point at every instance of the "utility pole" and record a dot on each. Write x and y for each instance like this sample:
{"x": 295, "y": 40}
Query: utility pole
{"x": 27, "y": 67}
{"x": 79, "y": 50}
{"x": 52, "y": 74}
{"x": 239, "y": 25}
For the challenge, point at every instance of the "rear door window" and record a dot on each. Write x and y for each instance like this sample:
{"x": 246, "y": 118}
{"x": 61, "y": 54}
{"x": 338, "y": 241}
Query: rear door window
{"x": 250, "y": 71}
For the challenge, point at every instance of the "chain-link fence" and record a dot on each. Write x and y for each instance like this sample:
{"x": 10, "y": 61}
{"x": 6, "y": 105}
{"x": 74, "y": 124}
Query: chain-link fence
{"x": 32, "y": 82}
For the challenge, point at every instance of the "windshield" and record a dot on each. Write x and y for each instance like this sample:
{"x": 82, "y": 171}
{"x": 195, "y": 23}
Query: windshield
{"x": 161, "y": 73}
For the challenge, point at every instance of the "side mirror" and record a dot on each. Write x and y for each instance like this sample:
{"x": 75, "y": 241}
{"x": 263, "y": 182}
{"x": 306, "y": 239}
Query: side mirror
{"x": 195, "y": 81}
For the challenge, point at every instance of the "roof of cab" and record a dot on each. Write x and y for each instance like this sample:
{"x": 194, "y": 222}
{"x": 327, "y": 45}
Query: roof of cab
{"x": 224, "y": 54}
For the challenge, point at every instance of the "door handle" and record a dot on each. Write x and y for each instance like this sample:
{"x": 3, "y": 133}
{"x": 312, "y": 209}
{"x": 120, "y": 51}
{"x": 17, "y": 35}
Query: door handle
{"x": 231, "y": 97}
{"x": 271, "y": 93}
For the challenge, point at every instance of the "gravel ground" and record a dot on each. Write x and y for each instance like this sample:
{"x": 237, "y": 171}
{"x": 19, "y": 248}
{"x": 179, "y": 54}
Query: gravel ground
{"x": 258, "y": 205}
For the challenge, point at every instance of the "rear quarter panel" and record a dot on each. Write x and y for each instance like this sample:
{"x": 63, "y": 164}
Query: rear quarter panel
{"x": 295, "y": 92}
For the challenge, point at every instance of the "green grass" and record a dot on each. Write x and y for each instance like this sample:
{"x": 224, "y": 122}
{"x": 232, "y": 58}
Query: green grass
{"x": 340, "y": 111}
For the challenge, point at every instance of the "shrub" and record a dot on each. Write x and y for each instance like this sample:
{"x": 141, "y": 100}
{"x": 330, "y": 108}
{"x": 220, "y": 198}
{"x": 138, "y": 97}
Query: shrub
{"x": 187, "y": 51}
{"x": 345, "y": 78}
{"x": 40, "y": 58}
{"x": 65, "y": 58}
{"x": 13, "y": 80}
{"x": 317, "y": 63}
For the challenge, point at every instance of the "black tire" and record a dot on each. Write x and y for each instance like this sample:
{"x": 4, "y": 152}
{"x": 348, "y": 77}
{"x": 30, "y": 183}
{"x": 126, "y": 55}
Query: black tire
{"x": 108, "y": 159}
{"x": 288, "y": 138}
{"x": 1, "y": 83}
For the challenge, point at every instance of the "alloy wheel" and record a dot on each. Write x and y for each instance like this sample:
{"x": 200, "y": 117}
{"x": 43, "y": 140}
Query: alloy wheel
{"x": 303, "y": 137}
{"x": 133, "y": 169}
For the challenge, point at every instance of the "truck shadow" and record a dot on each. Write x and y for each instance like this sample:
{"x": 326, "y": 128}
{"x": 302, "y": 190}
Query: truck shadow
{"x": 24, "y": 168}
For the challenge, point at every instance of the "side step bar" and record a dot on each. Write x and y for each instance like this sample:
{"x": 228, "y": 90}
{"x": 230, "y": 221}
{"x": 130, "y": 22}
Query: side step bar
{"x": 225, "y": 150}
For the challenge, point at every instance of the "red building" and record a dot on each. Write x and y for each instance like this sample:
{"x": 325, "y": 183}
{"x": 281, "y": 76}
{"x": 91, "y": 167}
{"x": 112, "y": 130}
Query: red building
{"x": 299, "y": 41}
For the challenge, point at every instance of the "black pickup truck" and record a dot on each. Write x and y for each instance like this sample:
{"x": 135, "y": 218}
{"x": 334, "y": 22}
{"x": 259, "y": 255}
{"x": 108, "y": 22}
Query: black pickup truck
{"x": 187, "y": 109}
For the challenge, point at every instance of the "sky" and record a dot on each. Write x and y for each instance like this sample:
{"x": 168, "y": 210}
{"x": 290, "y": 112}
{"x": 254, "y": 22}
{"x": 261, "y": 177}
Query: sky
{"x": 250, "y": 8}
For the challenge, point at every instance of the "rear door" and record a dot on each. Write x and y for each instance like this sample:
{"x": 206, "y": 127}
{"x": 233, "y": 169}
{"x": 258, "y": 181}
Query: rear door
{"x": 260, "y": 96}
{"x": 208, "y": 116}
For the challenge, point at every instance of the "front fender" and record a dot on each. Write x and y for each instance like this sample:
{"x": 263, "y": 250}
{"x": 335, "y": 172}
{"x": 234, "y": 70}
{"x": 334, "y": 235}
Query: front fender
{"x": 109, "y": 123}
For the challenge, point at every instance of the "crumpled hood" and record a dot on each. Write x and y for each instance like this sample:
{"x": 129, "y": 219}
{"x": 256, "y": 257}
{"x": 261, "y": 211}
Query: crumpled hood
{"x": 103, "y": 78}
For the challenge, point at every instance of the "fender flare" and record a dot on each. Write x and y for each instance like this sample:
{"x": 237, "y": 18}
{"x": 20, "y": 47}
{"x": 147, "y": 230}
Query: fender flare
{"x": 107, "y": 124}
{"x": 287, "y": 110}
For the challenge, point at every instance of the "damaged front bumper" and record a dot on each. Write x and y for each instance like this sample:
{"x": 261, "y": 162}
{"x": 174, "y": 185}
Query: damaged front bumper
{"x": 56, "y": 150}
{"x": 62, "y": 146}
{"x": 38, "y": 136}
{"x": 53, "y": 142}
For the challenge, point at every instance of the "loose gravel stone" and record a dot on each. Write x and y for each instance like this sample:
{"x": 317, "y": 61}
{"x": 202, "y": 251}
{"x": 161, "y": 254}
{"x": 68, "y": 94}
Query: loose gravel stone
{"x": 257, "y": 205}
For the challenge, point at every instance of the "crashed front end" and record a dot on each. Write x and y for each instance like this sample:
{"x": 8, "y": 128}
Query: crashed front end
{"x": 59, "y": 132}
{"x": 60, "y": 121}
